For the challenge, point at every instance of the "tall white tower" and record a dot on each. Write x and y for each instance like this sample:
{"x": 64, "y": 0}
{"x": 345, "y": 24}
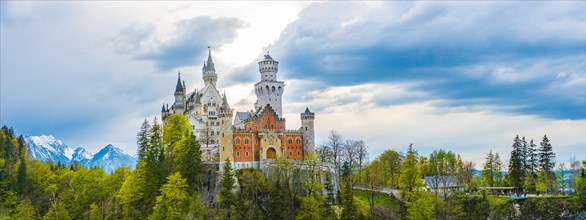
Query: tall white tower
{"x": 269, "y": 90}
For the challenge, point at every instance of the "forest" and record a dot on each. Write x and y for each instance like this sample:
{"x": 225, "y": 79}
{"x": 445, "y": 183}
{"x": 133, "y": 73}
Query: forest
{"x": 171, "y": 182}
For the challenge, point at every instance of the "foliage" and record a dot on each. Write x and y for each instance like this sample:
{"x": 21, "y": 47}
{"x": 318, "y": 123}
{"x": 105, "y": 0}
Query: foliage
{"x": 516, "y": 173}
{"x": 410, "y": 178}
{"x": 175, "y": 201}
{"x": 226, "y": 198}
{"x": 421, "y": 206}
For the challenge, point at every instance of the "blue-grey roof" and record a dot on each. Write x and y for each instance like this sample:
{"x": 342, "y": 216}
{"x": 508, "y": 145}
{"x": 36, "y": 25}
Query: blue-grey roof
{"x": 209, "y": 66}
{"x": 307, "y": 111}
{"x": 179, "y": 87}
{"x": 268, "y": 57}
{"x": 243, "y": 115}
{"x": 440, "y": 181}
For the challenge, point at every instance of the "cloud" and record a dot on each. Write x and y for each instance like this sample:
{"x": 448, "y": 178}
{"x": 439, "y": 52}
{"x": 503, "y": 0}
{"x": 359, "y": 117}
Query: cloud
{"x": 469, "y": 130}
{"x": 480, "y": 54}
{"x": 182, "y": 46}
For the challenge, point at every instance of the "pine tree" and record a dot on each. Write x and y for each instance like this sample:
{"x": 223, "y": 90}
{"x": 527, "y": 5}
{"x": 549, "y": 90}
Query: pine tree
{"x": 154, "y": 170}
{"x": 532, "y": 167}
{"x": 410, "y": 177}
{"x": 488, "y": 171}
{"x": 516, "y": 166}
{"x": 349, "y": 209}
{"x": 142, "y": 140}
{"x": 226, "y": 198}
{"x": 498, "y": 168}
{"x": 547, "y": 162}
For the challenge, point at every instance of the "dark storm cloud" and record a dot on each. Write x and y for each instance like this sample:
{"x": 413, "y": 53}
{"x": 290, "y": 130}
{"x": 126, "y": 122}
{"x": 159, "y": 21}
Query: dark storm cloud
{"x": 529, "y": 57}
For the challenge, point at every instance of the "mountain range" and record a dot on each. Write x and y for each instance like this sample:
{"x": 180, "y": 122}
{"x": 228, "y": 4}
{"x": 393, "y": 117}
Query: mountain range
{"x": 46, "y": 148}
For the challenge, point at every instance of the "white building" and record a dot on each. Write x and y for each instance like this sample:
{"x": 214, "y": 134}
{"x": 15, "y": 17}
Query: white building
{"x": 201, "y": 107}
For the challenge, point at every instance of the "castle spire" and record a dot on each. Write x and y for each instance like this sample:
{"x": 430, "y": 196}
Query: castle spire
{"x": 210, "y": 63}
{"x": 179, "y": 87}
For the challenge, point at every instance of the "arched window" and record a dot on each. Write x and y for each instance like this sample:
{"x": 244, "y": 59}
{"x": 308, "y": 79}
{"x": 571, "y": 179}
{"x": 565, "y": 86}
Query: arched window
{"x": 238, "y": 154}
{"x": 290, "y": 153}
{"x": 237, "y": 141}
{"x": 290, "y": 140}
{"x": 246, "y": 153}
{"x": 246, "y": 141}
{"x": 298, "y": 141}
{"x": 298, "y": 153}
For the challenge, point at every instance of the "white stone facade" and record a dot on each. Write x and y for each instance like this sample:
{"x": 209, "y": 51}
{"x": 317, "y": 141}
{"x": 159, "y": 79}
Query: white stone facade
{"x": 201, "y": 107}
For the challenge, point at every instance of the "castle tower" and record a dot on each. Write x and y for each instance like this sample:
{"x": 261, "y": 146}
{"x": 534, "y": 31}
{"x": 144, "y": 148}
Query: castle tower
{"x": 209, "y": 71}
{"x": 307, "y": 118}
{"x": 179, "y": 105}
{"x": 226, "y": 147}
{"x": 269, "y": 90}
{"x": 164, "y": 112}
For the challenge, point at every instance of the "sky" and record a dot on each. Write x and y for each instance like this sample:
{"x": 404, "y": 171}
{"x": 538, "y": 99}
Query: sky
{"x": 461, "y": 76}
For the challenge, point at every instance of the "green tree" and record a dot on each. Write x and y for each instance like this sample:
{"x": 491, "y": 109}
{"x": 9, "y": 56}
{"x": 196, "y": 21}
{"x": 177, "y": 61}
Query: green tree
{"x": 547, "y": 163}
{"x": 142, "y": 140}
{"x": 516, "y": 173}
{"x": 187, "y": 160}
{"x": 226, "y": 197}
{"x": 175, "y": 130}
{"x": 310, "y": 209}
{"x": 488, "y": 170}
{"x": 391, "y": 160}
{"x": 174, "y": 201}
{"x": 349, "y": 208}
{"x": 422, "y": 206}
{"x": 410, "y": 178}
{"x": 132, "y": 194}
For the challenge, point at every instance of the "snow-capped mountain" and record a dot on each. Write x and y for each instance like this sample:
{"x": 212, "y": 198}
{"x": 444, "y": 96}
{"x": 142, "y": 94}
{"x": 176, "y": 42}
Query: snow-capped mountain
{"x": 46, "y": 148}
{"x": 82, "y": 156}
{"x": 110, "y": 158}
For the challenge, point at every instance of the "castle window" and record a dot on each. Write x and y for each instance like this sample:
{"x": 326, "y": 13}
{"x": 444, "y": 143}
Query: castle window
{"x": 246, "y": 141}
{"x": 217, "y": 132}
{"x": 246, "y": 153}
{"x": 223, "y": 149}
{"x": 237, "y": 141}
{"x": 298, "y": 141}
{"x": 222, "y": 134}
{"x": 238, "y": 154}
{"x": 290, "y": 140}
{"x": 290, "y": 153}
{"x": 298, "y": 153}
{"x": 218, "y": 123}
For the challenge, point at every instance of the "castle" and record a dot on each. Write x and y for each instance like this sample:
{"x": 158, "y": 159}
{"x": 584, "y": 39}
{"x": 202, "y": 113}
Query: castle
{"x": 246, "y": 138}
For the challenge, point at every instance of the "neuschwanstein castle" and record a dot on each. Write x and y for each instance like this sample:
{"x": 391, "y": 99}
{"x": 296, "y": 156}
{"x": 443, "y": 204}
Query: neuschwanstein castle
{"x": 246, "y": 138}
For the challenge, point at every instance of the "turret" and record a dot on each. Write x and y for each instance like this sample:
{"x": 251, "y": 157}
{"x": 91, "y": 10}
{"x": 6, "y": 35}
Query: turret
{"x": 307, "y": 119}
{"x": 269, "y": 90}
{"x": 268, "y": 68}
{"x": 164, "y": 112}
{"x": 179, "y": 105}
{"x": 209, "y": 71}
{"x": 226, "y": 146}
